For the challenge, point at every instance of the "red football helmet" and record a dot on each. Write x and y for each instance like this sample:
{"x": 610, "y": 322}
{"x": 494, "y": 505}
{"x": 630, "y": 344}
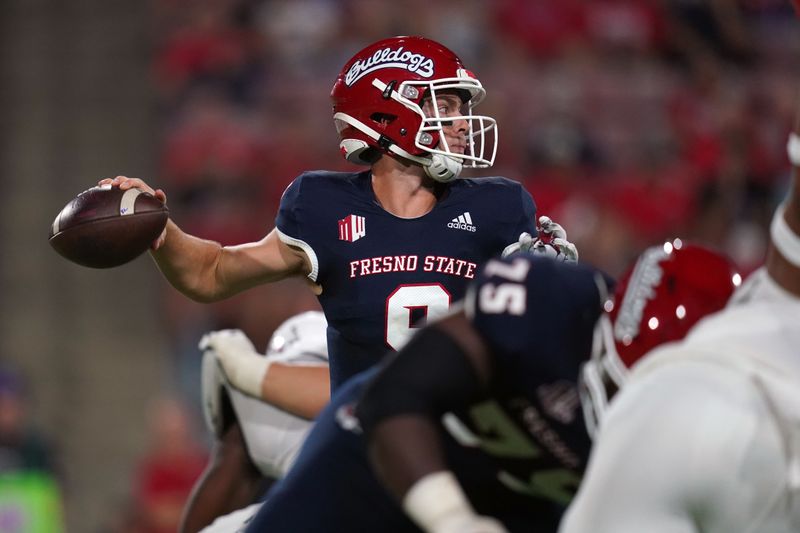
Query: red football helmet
{"x": 666, "y": 292}
{"x": 378, "y": 107}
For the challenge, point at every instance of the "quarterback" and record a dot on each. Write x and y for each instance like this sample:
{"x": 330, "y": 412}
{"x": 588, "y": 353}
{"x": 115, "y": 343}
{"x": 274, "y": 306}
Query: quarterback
{"x": 393, "y": 245}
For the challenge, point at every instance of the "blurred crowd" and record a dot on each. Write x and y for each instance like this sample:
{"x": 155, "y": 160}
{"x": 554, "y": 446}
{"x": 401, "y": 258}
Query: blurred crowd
{"x": 630, "y": 121}
{"x": 31, "y": 477}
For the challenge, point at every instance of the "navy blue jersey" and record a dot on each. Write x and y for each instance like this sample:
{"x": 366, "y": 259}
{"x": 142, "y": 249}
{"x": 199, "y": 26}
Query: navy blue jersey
{"x": 518, "y": 452}
{"x": 331, "y": 486}
{"x": 538, "y": 317}
{"x": 381, "y": 275}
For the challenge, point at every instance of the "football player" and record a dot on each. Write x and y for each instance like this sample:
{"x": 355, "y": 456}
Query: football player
{"x": 393, "y": 245}
{"x": 706, "y": 434}
{"x": 259, "y": 409}
{"x": 490, "y": 436}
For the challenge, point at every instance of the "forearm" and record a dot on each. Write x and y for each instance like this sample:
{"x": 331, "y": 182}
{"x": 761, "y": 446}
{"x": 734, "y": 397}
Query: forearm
{"x": 302, "y": 390}
{"x": 189, "y": 264}
{"x": 400, "y": 409}
{"x": 403, "y": 449}
{"x": 230, "y": 482}
{"x": 400, "y": 412}
{"x": 206, "y": 271}
{"x": 407, "y": 456}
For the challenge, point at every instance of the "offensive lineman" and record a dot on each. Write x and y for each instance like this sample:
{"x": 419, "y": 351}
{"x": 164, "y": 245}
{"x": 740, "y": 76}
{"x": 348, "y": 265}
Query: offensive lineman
{"x": 391, "y": 246}
{"x": 706, "y": 435}
{"x": 492, "y": 429}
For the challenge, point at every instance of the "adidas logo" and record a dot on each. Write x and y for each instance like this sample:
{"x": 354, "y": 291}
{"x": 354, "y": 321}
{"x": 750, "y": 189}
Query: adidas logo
{"x": 462, "y": 222}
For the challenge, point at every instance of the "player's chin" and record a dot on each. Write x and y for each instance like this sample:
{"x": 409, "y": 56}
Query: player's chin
{"x": 458, "y": 150}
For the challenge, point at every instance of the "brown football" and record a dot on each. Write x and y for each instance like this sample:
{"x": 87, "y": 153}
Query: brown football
{"x": 105, "y": 227}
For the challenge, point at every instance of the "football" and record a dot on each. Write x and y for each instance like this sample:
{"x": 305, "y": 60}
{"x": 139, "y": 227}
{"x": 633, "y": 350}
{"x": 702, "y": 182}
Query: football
{"x": 104, "y": 226}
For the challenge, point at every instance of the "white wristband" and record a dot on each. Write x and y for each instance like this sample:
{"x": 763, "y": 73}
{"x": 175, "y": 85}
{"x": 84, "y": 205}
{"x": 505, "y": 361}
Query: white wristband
{"x": 246, "y": 373}
{"x": 436, "y": 500}
{"x": 793, "y": 149}
{"x": 786, "y": 241}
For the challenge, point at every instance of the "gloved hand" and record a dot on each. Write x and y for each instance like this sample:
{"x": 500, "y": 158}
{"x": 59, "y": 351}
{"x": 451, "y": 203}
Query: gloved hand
{"x": 552, "y": 242}
{"x": 524, "y": 244}
{"x": 244, "y": 367}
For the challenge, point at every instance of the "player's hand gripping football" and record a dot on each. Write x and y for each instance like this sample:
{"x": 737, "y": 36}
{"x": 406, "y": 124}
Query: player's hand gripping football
{"x": 552, "y": 242}
{"x": 125, "y": 183}
{"x": 242, "y": 365}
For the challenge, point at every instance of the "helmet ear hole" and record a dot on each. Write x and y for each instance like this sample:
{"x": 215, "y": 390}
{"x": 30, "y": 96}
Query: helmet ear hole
{"x": 382, "y": 119}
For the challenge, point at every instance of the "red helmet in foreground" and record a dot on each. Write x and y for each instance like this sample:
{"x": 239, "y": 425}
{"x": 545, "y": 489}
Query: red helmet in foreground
{"x": 378, "y": 107}
{"x": 668, "y": 290}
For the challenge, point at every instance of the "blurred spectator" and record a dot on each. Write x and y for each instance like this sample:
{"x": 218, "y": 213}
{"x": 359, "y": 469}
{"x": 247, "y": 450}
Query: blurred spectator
{"x": 710, "y": 26}
{"x": 30, "y": 498}
{"x": 545, "y": 29}
{"x": 170, "y": 468}
{"x": 211, "y": 44}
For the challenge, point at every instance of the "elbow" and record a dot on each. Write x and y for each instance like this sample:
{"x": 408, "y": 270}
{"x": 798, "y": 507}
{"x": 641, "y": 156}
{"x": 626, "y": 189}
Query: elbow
{"x": 202, "y": 297}
{"x": 198, "y": 292}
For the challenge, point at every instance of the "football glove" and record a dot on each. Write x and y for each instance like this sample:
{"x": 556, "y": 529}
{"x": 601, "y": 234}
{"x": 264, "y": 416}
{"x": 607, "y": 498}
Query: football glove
{"x": 524, "y": 244}
{"x": 242, "y": 365}
{"x": 552, "y": 242}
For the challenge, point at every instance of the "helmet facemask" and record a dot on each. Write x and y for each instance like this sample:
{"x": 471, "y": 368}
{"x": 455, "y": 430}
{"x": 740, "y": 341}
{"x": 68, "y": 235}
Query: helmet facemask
{"x": 602, "y": 375}
{"x": 480, "y": 136}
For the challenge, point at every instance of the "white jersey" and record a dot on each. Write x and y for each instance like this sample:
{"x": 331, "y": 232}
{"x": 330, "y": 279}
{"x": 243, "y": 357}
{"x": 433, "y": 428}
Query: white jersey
{"x": 235, "y": 522}
{"x": 273, "y": 437}
{"x": 705, "y": 436}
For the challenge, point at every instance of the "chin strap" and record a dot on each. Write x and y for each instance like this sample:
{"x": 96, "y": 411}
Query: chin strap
{"x": 793, "y": 149}
{"x": 785, "y": 240}
{"x": 443, "y": 168}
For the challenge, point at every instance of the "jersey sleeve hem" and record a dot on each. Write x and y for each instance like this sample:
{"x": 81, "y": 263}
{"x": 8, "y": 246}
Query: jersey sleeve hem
{"x": 307, "y": 249}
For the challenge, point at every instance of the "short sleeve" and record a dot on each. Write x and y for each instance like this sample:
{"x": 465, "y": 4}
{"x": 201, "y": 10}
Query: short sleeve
{"x": 533, "y": 308}
{"x": 288, "y": 218}
{"x": 291, "y": 224}
{"x": 527, "y": 221}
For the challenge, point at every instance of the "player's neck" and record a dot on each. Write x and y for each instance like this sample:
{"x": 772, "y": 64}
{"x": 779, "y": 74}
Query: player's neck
{"x": 403, "y": 190}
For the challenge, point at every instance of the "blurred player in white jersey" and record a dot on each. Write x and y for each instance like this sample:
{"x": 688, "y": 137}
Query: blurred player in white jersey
{"x": 253, "y": 409}
{"x": 705, "y": 435}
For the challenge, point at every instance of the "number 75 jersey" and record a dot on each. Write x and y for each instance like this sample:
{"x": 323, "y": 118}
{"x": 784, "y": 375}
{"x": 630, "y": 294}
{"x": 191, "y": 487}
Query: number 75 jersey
{"x": 537, "y": 317}
{"x": 382, "y": 275}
